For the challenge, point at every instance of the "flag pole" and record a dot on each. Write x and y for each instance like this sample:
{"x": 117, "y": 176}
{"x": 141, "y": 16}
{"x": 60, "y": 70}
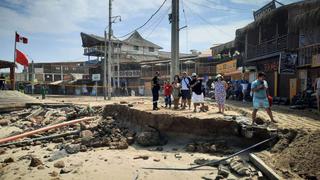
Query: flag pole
{"x": 14, "y": 60}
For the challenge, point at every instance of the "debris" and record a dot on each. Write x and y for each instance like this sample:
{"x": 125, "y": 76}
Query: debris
{"x": 178, "y": 156}
{"x": 26, "y": 134}
{"x": 35, "y": 162}
{"x": 54, "y": 173}
{"x": 65, "y": 170}
{"x": 59, "y": 164}
{"x": 72, "y": 148}
{"x": 190, "y": 148}
{"x": 4, "y": 122}
{"x": 239, "y": 166}
{"x": 2, "y": 151}
{"x": 8, "y": 160}
{"x": 83, "y": 148}
{"x": 144, "y": 157}
{"x": 35, "y": 113}
{"x": 223, "y": 171}
{"x": 40, "y": 167}
{"x": 156, "y": 160}
{"x": 148, "y": 139}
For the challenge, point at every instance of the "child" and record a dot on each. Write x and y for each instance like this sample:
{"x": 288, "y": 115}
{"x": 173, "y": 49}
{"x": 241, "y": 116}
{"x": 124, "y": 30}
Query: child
{"x": 167, "y": 93}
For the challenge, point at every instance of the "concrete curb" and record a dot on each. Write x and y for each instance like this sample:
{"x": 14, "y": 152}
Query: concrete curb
{"x": 270, "y": 173}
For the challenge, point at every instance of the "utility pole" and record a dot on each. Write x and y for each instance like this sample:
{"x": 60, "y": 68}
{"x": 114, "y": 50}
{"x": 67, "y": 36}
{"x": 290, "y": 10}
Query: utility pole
{"x": 109, "y": 51}
{"x": 174, "y": 68}
{"x": 105, "y": 67}
{"x": 33, "y": 77}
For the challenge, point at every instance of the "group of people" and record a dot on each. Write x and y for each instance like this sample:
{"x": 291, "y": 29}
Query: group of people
{"x": 191, "y": 89}
{"x": 187, "y": 90}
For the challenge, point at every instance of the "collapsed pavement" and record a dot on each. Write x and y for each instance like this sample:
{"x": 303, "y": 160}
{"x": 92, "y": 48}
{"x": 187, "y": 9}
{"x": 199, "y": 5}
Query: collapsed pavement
{"x": 119, "y": 126}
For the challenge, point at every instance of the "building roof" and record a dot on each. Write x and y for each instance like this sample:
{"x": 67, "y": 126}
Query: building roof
{"x": 6, "y": 64}
{"x": 167, "y": 55}
{"x": 137, "y": 40}
{"x": 308, "y": 12}
{"x": 89, "y": 40}
{"x": 221, "y": 47}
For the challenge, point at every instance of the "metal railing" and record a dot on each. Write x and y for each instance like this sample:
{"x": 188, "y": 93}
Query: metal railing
{"x": 306, "y": 53}
{"x": 128, "y": 73}
{"x": 268, "y": 47}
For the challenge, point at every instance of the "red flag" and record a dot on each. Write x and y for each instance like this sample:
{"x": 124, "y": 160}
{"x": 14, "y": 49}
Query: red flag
{"x": 21, "y": 58}
{"x": 19, "y": 38}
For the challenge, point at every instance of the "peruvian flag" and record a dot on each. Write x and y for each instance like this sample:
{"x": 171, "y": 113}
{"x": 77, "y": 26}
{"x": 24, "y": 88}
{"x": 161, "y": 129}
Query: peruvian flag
{"x": 19, "y": 38}
{"x": 21, "y": 58}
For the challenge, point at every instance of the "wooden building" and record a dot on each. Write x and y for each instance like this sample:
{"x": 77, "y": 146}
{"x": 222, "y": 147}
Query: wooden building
{"x": 126, "y": 55}
{"x": 276, "y": 43}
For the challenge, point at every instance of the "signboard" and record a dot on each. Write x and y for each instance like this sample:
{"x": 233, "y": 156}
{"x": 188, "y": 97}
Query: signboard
{"x": 264, "y": 10}
{"x": 287, "y": 63}
{"x": 95, "y": 77}
{"x": 227, "y": 67}
{"x": 315, "y": 60}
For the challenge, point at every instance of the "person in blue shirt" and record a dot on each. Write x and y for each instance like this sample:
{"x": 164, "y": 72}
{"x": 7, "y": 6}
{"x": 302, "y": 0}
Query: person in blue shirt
{"x": 259, "y": 90}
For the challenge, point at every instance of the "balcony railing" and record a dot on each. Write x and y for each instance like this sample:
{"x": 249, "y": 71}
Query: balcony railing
{"x": 97, "y": 49}
{"x": 129, "y": 73}
{"x": 268, "y": 47}
{"x": 306, "y": 53}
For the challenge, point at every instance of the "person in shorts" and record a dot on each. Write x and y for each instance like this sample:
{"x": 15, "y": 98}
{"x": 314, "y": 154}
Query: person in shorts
{"x": 185, "y": 90}
{"x": 259, "y": 90}
{"x": 197, "y": 92}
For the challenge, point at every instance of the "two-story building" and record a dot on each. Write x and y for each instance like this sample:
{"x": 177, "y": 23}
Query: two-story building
{"x": 126, "y": 55}
{"x": 60, "y": 77}
{"x": 276, "y": 43}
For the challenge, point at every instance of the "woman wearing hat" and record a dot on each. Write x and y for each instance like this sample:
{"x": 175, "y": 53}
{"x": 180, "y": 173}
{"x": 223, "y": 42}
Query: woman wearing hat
{"x": 197, "y": 92}
{"x": 220, "y": 92}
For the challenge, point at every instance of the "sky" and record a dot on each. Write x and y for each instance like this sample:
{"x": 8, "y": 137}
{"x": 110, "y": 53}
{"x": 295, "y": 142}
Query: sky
{"x": 53, "y": 26}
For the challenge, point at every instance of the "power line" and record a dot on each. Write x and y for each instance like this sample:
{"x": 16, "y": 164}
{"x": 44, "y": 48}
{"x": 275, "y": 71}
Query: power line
{"x": 204, "y": 20}
{"x": 146, "y": 21}
{"x": 187, "y": 28}
{"x": 159, "y": 22}
{"x": 227, "y": 9}
{"x": 155, "y": 24}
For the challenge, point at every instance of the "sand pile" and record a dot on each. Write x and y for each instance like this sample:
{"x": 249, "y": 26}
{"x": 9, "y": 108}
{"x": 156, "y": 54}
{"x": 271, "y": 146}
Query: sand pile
{"x": 302, "y": 154}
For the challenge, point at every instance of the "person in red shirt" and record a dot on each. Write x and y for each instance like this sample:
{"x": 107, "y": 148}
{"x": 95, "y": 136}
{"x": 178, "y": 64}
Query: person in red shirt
{"x": 167, "y": 93}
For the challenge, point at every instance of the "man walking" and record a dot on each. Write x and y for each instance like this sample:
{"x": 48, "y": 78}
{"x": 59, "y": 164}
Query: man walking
{"x": 259, "y": 89}
{"x": 185, "y": 90}
{"x": 155, "y": 90}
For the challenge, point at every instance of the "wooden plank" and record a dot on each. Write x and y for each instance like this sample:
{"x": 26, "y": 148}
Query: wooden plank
{"x": 270, "y": 173}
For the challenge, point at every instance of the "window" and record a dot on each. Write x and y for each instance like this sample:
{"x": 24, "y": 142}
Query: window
{"x": 151, "y": 49}
{"x": 57, "y": 68}
{"x": 136, "y": 48}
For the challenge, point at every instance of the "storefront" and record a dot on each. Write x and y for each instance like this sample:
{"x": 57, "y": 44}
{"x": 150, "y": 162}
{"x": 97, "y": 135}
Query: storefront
{"x": 229, "y": 70}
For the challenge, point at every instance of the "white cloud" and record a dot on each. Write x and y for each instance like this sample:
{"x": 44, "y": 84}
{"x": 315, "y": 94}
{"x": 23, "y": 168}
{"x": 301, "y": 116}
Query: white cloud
{"x": 56, "y": 17}
{"x": 204, "y": 36}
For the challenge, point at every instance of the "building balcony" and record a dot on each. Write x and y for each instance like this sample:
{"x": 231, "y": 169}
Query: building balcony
{"x": 306, "y": 53}
{"x": 128, "y": 73}
{"x": 267, "y": 47}
{"x": 97, "y": 51}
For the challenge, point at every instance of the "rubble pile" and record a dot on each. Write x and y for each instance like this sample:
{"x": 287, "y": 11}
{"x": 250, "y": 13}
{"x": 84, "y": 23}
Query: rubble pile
{"x": 213, "y": 147}
{"x": 39, "y": 116}
{"x": 235, "y": 166}
{"x": 76, "y": 137}
{"x": 108, "y": 133}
